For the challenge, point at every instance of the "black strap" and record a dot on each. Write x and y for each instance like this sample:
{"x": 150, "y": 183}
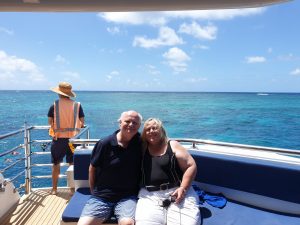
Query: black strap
{"x": 162, "y": 187}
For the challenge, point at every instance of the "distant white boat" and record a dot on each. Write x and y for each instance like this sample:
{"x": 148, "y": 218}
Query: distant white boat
{"x": 262, "y": 94}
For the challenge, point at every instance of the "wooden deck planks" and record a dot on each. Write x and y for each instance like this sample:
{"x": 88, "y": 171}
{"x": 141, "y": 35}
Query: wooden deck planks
{"x": 38, "y": 208}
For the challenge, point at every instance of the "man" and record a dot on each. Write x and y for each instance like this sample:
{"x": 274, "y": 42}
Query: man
{"x": 114, "y": 174}
{"x": 65, "y": 118}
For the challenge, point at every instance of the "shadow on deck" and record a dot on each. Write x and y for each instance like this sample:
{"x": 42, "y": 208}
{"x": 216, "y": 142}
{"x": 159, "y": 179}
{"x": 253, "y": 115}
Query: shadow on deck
{"x": 38, "y": 208}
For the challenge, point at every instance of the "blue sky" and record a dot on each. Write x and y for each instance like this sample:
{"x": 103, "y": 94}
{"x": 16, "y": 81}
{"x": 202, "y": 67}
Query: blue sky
{"x": 219, "y": 50}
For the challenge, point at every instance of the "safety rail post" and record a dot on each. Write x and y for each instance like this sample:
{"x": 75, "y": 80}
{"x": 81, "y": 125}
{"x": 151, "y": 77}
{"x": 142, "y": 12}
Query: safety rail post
{"x": 88, "y": 134}
{"x": 27, "y": 159}
{"x": 194, "y": 144}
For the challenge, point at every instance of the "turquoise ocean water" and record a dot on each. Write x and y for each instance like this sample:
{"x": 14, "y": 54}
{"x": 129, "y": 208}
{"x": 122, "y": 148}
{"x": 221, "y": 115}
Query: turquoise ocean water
{"x": 271, "y": 120}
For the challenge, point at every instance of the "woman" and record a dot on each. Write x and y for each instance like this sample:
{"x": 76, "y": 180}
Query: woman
{"x": 166, "y": 196}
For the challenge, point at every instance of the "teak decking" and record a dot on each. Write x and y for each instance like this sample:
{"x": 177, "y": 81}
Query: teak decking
{"x": 38, "y": 208}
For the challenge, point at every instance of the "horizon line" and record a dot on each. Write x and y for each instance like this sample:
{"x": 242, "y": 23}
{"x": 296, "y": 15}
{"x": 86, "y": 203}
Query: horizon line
{"x": 258, "y": 92}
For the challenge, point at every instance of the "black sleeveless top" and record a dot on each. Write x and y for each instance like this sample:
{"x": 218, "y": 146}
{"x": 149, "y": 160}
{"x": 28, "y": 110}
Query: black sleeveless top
{"x": 158, "y": 170}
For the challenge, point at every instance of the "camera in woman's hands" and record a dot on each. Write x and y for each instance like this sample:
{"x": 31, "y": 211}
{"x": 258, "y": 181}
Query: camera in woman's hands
{"x": 167, "y": 202}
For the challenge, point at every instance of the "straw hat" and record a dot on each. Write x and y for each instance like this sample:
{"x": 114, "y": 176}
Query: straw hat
{"x": 65, "y": 89}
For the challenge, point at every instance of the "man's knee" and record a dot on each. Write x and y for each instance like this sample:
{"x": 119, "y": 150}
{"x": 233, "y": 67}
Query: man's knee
{"x": 126, "y": 221}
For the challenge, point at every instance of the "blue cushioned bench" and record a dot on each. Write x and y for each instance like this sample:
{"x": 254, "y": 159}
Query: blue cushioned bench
{"x": 74, "y": 208}
{"x": 236, "y": 213}
{"x": 251, "y": 187}
{"x": 269, "y": 178}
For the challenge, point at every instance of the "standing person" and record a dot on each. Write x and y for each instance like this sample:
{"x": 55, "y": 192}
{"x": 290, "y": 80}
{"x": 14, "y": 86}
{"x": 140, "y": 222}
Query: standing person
{"x": 65, "y": 118}
{"x": 167, "y": 174}
{"x": 114, "y": 174}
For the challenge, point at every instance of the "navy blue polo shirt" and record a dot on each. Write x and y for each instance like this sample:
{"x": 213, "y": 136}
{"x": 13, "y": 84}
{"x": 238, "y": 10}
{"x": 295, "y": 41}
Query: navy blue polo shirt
{"x": 118, "y": 169}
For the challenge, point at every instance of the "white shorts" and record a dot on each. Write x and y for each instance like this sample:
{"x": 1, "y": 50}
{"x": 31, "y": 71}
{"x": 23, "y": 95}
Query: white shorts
{"x": 150, "y": 212}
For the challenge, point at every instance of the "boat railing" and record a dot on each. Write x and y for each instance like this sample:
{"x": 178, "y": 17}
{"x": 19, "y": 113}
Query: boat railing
{"x": 28, "y": 153}
{"x": 196, "y": 144}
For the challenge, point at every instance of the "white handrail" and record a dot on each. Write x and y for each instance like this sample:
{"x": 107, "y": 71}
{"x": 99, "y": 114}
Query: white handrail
{"x": 27, "y": 152}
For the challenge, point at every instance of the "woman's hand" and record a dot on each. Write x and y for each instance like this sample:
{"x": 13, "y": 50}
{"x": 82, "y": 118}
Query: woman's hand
{"x": 179, "y": 193}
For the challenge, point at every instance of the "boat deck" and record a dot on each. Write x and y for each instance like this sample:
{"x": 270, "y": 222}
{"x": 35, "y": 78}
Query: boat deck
{"x": 39, "y": 208}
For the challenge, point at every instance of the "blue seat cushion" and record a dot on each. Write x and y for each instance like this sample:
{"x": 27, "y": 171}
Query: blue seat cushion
{"x": 74, "y": 208}
{"x": 82, "y": 160}
{"x": 268, "y": 178}
{"x": 235, "y": 213}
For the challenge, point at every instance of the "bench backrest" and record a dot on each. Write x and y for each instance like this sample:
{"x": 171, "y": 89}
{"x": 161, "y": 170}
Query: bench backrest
{"x": 273, "y": 179}
{"x": 249, "y": 180}
{"x": 81, "y": 168}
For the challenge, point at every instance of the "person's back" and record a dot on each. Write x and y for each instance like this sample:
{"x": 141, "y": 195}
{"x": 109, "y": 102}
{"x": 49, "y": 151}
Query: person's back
{"x": 65, "y": 118}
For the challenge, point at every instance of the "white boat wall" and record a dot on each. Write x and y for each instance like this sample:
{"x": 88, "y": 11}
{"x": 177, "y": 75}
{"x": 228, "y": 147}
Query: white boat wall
{"x": 9, "y": 197}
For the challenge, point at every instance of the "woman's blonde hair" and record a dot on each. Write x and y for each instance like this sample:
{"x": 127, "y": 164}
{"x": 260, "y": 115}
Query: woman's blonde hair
{"x": 163, "y": 133}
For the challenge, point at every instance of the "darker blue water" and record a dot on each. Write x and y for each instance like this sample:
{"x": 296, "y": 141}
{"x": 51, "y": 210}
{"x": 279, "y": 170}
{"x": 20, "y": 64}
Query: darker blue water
{"x": 248, "y": 118}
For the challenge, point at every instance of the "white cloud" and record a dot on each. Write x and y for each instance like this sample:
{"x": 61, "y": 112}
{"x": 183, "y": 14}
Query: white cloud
{"x": 208, "y": 32}
{"x": 224, "y": 14}
{"x": 60, "y": 59}
{"x": 288, "y": 57}
{"x": 12, "y": 67}
{"x": 134, "y": 18}
{"x": 152, "y": 69}
{"x": 166, "y": 37}
{"x": 114, "y": 72}
{"x": 295, "y": 72}
{"x": 203, "y": 47}
{"x": 111, "y": 75}
{"x": 113, "y": 30}
{"x": 270, "y": 50}
{"x": 255, "y": 59}
{"x": 156, "y": 82}
{"x": 69, "y": 75}
{"x": 6, "y": 31}
{"x": 162, "y": 18}
{"x": 74, "y": 78}
{"x": 120, "y": 50}
{"x": 133, "y": 83}
{"x": 176, "y": 59}
{"x": 196, "y": 79}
